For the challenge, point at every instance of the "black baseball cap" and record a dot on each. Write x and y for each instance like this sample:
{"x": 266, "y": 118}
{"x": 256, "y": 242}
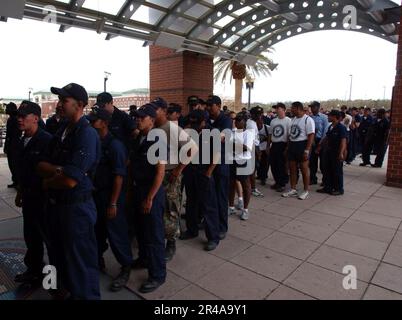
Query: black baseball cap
{"x": 314, "y": 104}
{"x": 213, "y": 100}
{"x": 147, "y": 110}
{"x": 193, "y": 100}
{"x": 199, "y": 115}
{"x": 99, "y": 114}
{"x": 257, "y": 110}
{"x": 335, "y": 113}
{"x": 103, "y": 98}
{"x": 29, "y": 107}
{"x": 72, "y": 90}
{"x": 174, "y": 108}
{"x": 202, "y": 102}
{"x": 159, "y": 103}
{"x": 11, "y": 107}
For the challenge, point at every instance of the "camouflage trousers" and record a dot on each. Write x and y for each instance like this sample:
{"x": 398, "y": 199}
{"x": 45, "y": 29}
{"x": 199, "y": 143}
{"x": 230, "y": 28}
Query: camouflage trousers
{"x": 172, "y": 208}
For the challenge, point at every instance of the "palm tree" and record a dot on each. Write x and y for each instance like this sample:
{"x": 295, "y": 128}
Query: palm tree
{"x": 229, "y": 69}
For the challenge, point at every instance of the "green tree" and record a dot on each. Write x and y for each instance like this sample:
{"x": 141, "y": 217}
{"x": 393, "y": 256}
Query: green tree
{"x": 229, "y": 69}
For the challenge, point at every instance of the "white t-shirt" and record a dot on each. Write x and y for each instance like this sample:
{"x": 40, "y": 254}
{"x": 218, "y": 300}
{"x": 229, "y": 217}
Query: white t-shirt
{"x": 280, "y": 129}
{"x": 263, "y": 133}
{"x": 251, "y": 124}
{"x": 347, "y": 121}
{"x": 244, "y": 138}
{"x": 301, "y": 128}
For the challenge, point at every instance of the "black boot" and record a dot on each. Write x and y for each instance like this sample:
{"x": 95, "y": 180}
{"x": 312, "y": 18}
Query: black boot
{"x": 170, "y": 250}
{"x": 120, "y": 281}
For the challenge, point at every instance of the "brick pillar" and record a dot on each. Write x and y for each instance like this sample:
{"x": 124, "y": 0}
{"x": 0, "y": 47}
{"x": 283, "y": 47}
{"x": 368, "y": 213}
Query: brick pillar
{"x": 394, "y": 170}
{"x": 176, "y": 76}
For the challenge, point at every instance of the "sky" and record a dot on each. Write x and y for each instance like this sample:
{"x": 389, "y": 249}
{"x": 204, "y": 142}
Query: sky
{"x": 313, "y": 66}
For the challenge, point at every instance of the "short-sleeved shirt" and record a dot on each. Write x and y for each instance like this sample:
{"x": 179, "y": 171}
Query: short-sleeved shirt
{"x": 280, "y": 129}
{"x": 263, "y": 135}
{"x": 113, "y": 162}
{"x": 335, "y": 134}
{"x": 78, "y": 151}
{"x": 321, "y": 123}
{"x": 243, "y": 138}
{"x": 301, "y": 128}
{"x": 252, "y": 125}
{"x": 122, "y": 126}
{"x": 347, "y": 121}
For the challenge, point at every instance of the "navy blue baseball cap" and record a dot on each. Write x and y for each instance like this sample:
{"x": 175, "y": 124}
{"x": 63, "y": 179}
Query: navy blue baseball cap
{"x": 174, "y": 108}
{"x": 72, "y": 90}
{"x": 29, "y": 107}
{"x": 214, "y": 100}
{"x": 160, "y": 103}
{"x": 99, "y": 114}
{"x": 103, "y": 98}
{"x": 147, "y": 110}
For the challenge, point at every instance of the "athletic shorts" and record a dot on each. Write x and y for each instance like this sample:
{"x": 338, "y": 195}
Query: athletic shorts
{"x": 296, "y": 150}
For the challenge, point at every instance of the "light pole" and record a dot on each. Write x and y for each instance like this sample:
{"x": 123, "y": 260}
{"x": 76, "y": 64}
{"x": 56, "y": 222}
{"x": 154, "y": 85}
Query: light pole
{"x": 106, "y": 78}
{"x": 249, "y": 86}
{"x": 351, "y": 85}
{"x": 29, "y": 94}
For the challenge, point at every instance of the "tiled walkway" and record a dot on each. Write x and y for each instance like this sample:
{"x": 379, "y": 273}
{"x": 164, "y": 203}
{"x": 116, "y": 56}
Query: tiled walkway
{"x": 289, "y": 249}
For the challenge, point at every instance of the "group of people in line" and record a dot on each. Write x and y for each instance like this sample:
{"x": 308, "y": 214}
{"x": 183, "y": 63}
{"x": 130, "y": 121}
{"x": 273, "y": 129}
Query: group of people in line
{"x": 85, "y": 181}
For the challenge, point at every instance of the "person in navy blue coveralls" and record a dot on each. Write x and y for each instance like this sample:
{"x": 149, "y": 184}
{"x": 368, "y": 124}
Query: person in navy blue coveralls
{"x": 148, "y": 196}
{"x": 122, "y": 126}
{"x": 220, "y": 121}
{"x": 74, "y": 153}
{"x": 30, "y": 196}
{"x": 200, "y": 189}
{"x": 109, "y": 198}
{"x": 335, "y": 155}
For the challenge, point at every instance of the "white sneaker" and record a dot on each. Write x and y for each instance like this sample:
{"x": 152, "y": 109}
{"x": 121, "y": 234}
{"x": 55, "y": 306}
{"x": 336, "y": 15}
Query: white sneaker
{"x": 303, "y": 195}
{"x": 244, "y": 215}
{"x": 240, "y": 204}
{"x": 290, "y": 193}
{"x": 232, "y": 211}
{"x": 256, "y": 193}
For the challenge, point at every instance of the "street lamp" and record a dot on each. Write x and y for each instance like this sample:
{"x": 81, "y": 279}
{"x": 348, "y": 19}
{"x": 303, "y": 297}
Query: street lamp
{"x": 29, "y": 94}
{"x": 106, "y": 78}
{"x": 351, "y": 84}
{"x": 249, "y": 86}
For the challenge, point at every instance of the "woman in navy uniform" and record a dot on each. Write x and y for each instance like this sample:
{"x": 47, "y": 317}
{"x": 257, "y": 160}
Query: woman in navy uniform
{"x": 73, "y": 156}
{"x": 148, "y": 196}
{"x": 335, "y": 155}
{"x": 109, "y": 198}
{"x": 200, "y": 188}
{"x": 30, "y": 196}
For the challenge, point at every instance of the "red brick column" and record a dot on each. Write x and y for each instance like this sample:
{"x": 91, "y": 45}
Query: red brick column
{"x": 176, "y": 76}
{"x": 394, "y": 171}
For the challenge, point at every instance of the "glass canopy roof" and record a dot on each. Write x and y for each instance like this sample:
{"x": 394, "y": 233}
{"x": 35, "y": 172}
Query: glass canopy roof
{"x": 239, "y": 29}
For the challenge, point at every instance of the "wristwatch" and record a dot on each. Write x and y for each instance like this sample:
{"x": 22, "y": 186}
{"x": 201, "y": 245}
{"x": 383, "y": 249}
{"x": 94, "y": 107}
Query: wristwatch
{"x": 59, "y": 171}
{"x": 306, "y": 151}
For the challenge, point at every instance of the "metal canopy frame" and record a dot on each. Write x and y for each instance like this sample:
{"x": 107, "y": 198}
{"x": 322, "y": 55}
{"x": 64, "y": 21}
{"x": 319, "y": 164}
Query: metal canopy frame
{"x": 239, "y": 29}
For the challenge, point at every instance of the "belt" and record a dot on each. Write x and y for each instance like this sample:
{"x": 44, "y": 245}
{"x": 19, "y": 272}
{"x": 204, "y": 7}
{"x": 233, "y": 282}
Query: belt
{"x": 68, "y": 200}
